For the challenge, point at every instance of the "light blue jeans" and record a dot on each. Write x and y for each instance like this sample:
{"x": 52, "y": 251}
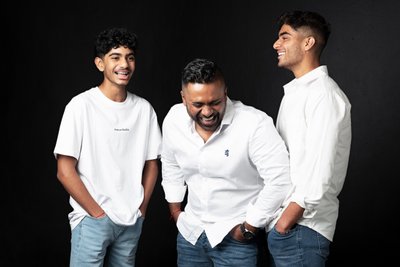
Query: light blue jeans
{"x": 302, "y": 246}
{"x": 229, "y": 252}
{"x": 94, "y": 240}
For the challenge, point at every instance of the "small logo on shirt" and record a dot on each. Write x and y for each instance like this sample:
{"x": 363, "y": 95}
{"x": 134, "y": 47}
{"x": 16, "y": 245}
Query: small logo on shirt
{"x": 121, "y": 129}
{"x": 227, "y": 152}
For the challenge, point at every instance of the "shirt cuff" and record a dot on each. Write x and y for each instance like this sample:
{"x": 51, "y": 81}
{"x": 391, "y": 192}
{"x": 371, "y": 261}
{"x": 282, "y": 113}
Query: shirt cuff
{"x": 174, "y": 193}
{"x": 256, "y": 217}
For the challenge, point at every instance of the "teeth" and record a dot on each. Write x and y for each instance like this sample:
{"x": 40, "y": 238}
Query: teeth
{"x": 281, "y": 53}
{"x": 208, "y": 119}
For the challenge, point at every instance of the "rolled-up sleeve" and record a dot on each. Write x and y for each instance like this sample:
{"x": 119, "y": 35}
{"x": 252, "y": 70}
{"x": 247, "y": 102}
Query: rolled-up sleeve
{"x": 173, "y": 181}
{"x": 269, "y": 154}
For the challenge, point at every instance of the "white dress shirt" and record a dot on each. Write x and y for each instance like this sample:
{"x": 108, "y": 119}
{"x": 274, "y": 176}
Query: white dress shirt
{"x": 314, "y": 120}
{"x": 240, "y": 173}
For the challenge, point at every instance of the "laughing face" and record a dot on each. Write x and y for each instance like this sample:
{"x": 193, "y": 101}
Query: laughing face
{"x": 290, "y": 47}
{"x": 117, "y": 65}
{"x": 205, "y": 104}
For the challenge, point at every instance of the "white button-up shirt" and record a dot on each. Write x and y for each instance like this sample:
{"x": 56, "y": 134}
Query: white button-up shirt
{"x": 240, "y": 173}
{"x": 314, "y": 120}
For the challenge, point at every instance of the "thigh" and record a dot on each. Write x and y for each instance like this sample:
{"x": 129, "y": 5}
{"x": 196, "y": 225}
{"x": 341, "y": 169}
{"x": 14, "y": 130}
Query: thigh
{"x": 89, "y": 241}
{"x": 302, "y": 246}
{"x": 233, "y": 253}
{"x": 190, "y": 255}
{"x": 285, "y": 249}
{"x": 122, "y": 252}
{"x": 316, "y": 247}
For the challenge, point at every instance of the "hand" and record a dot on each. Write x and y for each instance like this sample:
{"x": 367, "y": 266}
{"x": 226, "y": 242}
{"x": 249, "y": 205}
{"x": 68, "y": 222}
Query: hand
{"x": 236, "y": 234}
{"x": 281, "y": 229}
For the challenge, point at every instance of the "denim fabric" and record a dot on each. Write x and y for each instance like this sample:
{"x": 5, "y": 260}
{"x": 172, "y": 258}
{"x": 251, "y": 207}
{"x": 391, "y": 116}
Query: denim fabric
{"x": 93, "y": 237}
{"x": 229, "y": 252}
{"x": 301, "y": 246}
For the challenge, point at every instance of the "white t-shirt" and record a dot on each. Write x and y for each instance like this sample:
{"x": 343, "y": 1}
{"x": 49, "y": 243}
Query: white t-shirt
{"x": 111, "y": 141}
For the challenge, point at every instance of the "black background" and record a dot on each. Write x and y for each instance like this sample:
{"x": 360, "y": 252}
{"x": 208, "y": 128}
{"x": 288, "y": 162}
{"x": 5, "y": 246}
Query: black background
{"x": 47, "y": 59}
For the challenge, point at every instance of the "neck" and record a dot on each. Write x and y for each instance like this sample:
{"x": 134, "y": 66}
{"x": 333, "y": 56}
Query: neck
{"x": 306, "y": 66}
{"x": 117, "y": 94}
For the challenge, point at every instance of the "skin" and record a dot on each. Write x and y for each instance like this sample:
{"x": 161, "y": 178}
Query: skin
{"x": 117, "y": 66}
{"x": 206, "y": 104}
{"x": 297, "y": 52}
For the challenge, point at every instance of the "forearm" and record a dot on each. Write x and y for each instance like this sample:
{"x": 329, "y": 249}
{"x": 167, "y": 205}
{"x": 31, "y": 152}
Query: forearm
{"x": 149, "y": 179}
{"x": 289, "y": 217}
{"x": 175, "y": 210}
{"x": 69, "y": 178}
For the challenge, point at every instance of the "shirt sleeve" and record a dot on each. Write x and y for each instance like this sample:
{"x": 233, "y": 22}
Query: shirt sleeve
{"x": 269, "y": 154}
{"x": 173, "y": 181}
{"x": 69, "y": 139}
{"x": 154, "y": 146}
{"x": 324, "y": 115}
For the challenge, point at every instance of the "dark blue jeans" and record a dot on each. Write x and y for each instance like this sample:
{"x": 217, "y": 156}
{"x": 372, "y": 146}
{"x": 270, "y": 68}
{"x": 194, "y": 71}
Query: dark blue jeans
{"x": 302, "y": 246}
{"x": 229, "y": 252}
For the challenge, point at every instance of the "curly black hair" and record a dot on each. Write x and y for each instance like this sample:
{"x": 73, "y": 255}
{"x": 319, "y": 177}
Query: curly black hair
{"x": 113, "y": 38}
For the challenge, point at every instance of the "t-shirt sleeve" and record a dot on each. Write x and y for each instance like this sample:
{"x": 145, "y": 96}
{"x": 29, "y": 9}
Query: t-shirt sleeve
{"x": 154, "y": 145}
{"x": 69, "y": 139}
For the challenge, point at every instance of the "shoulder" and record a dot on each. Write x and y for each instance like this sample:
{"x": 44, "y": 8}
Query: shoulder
{"x": 177, "y": 111}
{"x": 176, "y": 115}
{"x": 140, "y": 101}
{"x": 80, "y": 100}
{"x": 249, "y": 114}
{"x": 326, "y": 87}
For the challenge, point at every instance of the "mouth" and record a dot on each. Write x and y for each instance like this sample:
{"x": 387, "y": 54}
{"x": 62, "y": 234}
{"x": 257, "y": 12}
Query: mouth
{"x": 123, "y": 75}
{"x": 208, "y": 121}
{"x": 281, "y": 54}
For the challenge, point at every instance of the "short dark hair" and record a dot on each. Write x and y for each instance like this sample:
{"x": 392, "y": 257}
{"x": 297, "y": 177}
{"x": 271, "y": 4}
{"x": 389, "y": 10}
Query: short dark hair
{"x": 316, "y": 22}
{"x": 113, "y": 38}
{"x": 201, "y": 71}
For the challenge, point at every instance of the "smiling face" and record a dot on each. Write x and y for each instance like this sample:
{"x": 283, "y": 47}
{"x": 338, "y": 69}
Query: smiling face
{"x": 290, "y": 48}
{"x": 205, "y": 104}
{"x": 117, "y": 66}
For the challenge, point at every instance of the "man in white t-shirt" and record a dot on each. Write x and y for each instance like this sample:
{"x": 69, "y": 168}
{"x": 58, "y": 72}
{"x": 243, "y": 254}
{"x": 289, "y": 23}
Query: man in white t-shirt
{"x": 107, "y": 154}
{"x": 231, "y": 162}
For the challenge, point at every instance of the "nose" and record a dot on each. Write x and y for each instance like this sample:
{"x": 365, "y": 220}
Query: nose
{"x": 124, "y": 63}
{"x": 276, "y": 44}
{"x": 207, "y": 111}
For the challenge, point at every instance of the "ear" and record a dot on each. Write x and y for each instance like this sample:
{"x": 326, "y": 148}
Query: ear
{"x": 99, "y": 64}
{"x": 309, "y": 43}
{"x": 183, "y": 97}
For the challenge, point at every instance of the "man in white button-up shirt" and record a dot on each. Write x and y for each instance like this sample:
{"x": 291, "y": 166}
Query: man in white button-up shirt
{"x": 314, "y": 120}
{"x": 234, "y": 165}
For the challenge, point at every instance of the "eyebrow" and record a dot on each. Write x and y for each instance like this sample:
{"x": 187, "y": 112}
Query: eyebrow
{"x": 119, "y": 54}
{"x": 213, "y": 102}
{"x": 283, "y": 33}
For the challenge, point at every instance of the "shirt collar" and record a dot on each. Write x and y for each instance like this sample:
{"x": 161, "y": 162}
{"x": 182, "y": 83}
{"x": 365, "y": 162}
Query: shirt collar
{"x": 306, "y": 78}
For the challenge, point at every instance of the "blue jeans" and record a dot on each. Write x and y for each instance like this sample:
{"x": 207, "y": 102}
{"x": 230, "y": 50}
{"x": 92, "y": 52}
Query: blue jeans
{"x": 302, "y": 246}
{"x": 93, "y": 238}
{"x": 229, "y": 252}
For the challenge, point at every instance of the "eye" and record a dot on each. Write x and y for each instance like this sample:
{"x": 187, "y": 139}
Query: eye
{"x": 197, "y": 105}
